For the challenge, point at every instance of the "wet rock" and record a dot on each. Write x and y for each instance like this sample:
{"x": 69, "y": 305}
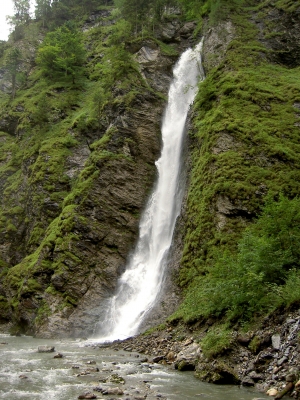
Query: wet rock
{"x": 185, "y": 365}
{"x": 115, "y": 378}
{"x": 276, "y": 342}
{"x": 255, "y": 376}
{"x": 187, "y": 29}
{"x": 262, "y": 387}
{"x": 282, "y": 360}
{"x": 114, "y": 391}
{"x": 171, "y": 356}
{"x": 46, "y": 349}
{"x": 87, "y": 396}
{"x": 103, "y": 378}
{"x": 23, "y": 376}
{"x": 217, "y": 372}
{"x": 147, "y": 55}
{"x": 244, "y": 340}
{"x": 290, "y": 377}
{"x": 157, "y": 359}
{"x": 58, "y": 355}
{"x": 188, "y": 356}
{"x": 272, "y": 392}
{"x": 247, "y": 381}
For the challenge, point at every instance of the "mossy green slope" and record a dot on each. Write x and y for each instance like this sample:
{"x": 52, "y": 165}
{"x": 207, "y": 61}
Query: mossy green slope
{"x": 60, "y": 144}
{"x": 245, "y": 145}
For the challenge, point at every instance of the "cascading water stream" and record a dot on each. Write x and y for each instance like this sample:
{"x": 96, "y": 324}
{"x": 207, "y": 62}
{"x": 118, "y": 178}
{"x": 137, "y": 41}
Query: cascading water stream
{"x": 141, "y": 282}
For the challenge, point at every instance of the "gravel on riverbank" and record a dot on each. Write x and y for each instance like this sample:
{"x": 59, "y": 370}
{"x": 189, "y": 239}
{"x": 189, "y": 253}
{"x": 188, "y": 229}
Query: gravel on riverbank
{"x": 260, "y": 358}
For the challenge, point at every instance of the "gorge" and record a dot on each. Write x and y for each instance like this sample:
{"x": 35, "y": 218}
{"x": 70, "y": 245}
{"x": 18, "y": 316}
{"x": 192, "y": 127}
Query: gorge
{"x": 83, "y": 88}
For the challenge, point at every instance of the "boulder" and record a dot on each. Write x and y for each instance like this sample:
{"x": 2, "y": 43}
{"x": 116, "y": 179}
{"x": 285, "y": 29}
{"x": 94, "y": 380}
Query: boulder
{"x": 114, "y": 391}
{"x": 87, "y": 396}
{"x": 188, "y": 357}
{"x": 248, "y": 381}
{"x": 46, "y": 349}
{"x": 217, "y": 372}
{"x": 58, "y": 355}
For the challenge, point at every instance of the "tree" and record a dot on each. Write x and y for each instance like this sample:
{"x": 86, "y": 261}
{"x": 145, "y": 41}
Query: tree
{"x": 13, "y": 60}
{"x": 43, "y": 10}
{"x": 134, "y": 11}
{"x": 62, "y": 52}
{"x": 20, "y": 17}
{"x": 22, "y": 11}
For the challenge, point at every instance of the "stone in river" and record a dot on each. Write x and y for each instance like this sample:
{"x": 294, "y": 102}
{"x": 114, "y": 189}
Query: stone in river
{"x": 46, "y": 349}
{"x": 58, "y": 355}
{"x": 116, "y": 391}
{"x": 87, "y": 396}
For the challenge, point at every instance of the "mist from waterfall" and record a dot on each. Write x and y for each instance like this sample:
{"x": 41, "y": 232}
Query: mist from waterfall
{"x": 141, "y": 282}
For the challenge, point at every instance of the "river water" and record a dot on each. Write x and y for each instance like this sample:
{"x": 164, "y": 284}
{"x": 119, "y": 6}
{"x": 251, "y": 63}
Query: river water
{"x": 27, "y": 374}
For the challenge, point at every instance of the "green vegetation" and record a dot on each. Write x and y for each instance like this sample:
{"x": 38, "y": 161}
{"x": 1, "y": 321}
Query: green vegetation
{"x": 67, "y": 87}
{"x": 62, "y": 53}
{"x": 259, "y": 277}
{"x": 216, "y": 341}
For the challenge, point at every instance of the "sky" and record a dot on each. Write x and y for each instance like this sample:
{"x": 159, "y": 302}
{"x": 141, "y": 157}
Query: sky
{"x": 6, "y": 8}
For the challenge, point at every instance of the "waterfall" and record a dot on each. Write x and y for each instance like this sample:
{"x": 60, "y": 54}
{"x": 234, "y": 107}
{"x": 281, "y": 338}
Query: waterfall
{"x": 141, "y": 282}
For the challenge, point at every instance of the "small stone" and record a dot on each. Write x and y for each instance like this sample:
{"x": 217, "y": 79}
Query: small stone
{"x": 46, "y": 349}
{"x": 87, "y": 396}
{"x": 290, "y": 321}
{"x": 276, "y": 342}
{"x": 255, "y": 376}
{"x": 157, "y": 359}
{"x": 115, "y": 391}
{"x": 243, "y": 340}
{"x": 272, "y": 392}
{"x": 58, "y": 355}
{"x": 23, "y": 376}
{"x": 290, "y": 378}
{"x": 188, "y": 341}
{"x": 282, "y": 360}
{"x": 171, "y": 356}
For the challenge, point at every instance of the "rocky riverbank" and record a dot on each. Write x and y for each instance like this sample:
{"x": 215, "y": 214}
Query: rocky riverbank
{"x": 67, "y": 369}
{"x": 260, "y": 358}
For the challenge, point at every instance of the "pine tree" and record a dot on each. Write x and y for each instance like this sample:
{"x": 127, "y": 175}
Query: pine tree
{"x": 43, "y": 10}
{"x": 13, "y": 59}
{"x": 62, "y": 53}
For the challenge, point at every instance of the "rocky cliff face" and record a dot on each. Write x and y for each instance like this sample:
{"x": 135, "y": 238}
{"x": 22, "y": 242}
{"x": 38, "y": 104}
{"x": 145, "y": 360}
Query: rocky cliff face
{"x": 72, "y": 190}
{"x": 71, "y": 216}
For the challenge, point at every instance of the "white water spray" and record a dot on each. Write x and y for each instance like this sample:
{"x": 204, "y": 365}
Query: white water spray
{"x": 141, "y": 282}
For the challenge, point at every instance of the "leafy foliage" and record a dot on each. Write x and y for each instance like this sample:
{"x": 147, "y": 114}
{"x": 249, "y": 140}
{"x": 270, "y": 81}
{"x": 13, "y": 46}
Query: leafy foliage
{"x": 13, "y": 59}
{"x": 62, "y": 52}
{"x": 259, "y": 276}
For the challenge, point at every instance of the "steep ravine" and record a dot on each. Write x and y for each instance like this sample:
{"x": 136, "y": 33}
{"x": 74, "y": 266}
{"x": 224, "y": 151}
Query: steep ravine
{"x": 79, "y": 199}
{"x": 62, "y": 254}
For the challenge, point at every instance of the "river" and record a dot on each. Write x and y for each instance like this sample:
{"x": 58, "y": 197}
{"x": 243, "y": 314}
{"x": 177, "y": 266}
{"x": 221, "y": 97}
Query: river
{"x": 27, "y": 374}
